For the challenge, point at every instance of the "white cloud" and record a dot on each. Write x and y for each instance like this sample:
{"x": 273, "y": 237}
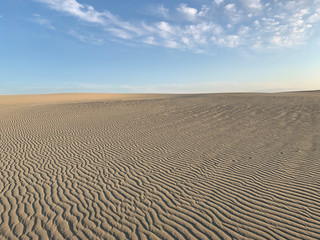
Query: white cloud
{"x": 188, "y": 12}
{"x": 171, "y": 44}
{"x": 277, "y": 40}
{"x": 204, "y": 10}
{"x": 218, "y": 2}
{"x": 192, "y": 14}
{"x": 315, "y": 17}
{"x": 252, "y": 4}
{"x": 150, "y": 41}
{"x": 165, "y": 27}
{"x": 288, "y": 28}
{"x": 121, "y": 33}
{"x": 243, "y": 30}
{"x": 230, "y": 41}
{"x": 234, "y": 14}
{"x": 246, "y": 23}
{"x": 87, "y": 13}
{"x": 230, "y": 7}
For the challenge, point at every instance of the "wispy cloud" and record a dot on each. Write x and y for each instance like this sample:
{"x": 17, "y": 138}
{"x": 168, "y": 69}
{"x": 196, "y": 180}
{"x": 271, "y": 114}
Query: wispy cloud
{"x": 89, "y": 38}
{"x": 82, "y": 11}
{"x": 42, "y": 21}
{"x": 164, "y": 12}
{"x": 247, "y": 23}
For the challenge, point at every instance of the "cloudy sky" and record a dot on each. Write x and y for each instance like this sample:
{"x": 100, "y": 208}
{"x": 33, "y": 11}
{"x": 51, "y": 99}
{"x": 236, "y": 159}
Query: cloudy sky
{"x": 158, "y": 46}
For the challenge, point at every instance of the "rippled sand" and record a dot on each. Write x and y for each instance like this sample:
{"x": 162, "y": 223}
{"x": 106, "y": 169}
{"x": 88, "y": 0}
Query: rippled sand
{"x": 214, "y": 166}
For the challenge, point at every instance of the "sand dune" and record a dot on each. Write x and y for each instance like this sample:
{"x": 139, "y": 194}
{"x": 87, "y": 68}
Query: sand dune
{"x": 212, "y": 166}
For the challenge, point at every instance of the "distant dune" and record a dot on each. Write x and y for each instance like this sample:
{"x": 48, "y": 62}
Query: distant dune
{"x": 117, "y": 166}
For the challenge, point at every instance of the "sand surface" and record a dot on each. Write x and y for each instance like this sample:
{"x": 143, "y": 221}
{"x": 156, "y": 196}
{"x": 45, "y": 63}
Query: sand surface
{"x": 215, "y": 166}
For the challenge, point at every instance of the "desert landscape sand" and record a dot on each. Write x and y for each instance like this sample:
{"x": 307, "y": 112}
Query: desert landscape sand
{"x": 206, "y": 166}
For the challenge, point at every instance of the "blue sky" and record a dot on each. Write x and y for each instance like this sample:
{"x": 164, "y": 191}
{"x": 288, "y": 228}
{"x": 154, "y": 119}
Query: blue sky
{"x": 52, "y": 46}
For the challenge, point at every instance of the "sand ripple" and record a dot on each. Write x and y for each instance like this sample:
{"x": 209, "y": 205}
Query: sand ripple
{"x": 220, "y": 166}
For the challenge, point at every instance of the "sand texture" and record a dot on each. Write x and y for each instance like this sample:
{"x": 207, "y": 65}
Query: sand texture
{"x": 214, "y": 166}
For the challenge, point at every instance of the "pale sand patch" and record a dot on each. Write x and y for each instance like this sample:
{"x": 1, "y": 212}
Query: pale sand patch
{"x": 69, "y": 98}
{"x": 211, "y": 166}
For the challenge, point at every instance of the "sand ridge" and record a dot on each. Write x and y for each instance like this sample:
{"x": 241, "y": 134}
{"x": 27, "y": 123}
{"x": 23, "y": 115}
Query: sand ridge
{"x": 210, "y": 166}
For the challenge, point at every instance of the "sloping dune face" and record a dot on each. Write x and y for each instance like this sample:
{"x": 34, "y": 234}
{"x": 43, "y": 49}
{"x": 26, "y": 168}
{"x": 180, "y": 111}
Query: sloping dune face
{"x": 219, "y": 166}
